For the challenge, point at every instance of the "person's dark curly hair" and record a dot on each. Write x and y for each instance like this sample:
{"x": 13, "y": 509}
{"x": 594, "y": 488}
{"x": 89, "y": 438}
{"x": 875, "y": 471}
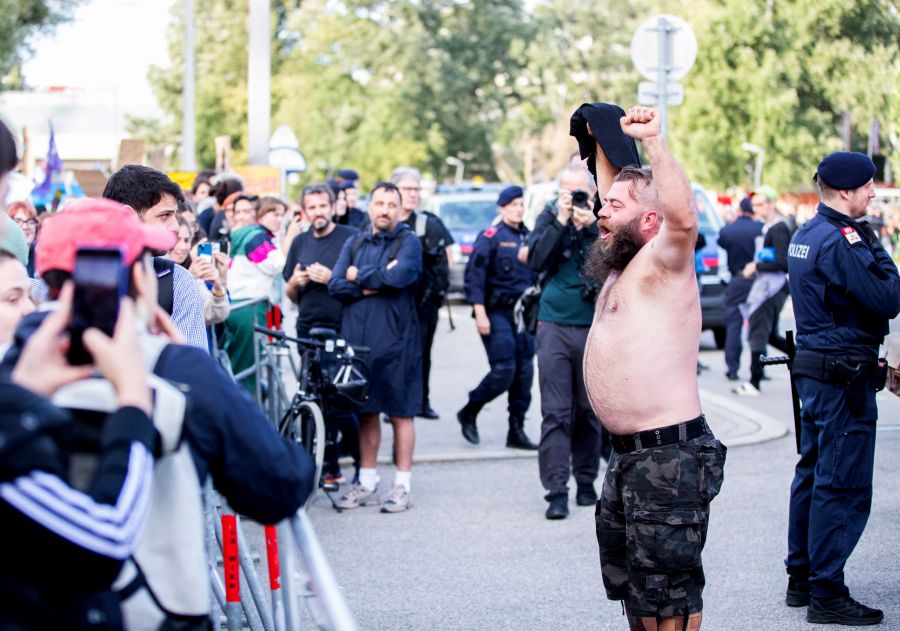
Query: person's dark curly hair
{"x": 140, "y": 187}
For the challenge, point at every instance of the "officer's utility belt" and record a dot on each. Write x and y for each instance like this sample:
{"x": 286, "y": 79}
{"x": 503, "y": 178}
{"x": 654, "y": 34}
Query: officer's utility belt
{"x": 660, "y": 436}
{"x": 840, "y": 370}
{"x": 495, "y": 302}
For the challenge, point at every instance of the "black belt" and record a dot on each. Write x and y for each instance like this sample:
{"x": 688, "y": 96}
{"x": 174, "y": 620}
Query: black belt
{"x": 838, "y": 369}
{"x": 661, "y": 436}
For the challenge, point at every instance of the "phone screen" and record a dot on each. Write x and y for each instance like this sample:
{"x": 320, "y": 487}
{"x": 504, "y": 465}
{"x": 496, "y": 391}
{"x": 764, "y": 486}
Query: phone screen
{"x": 99, "y": 285}
{"x": 205, "y": 250}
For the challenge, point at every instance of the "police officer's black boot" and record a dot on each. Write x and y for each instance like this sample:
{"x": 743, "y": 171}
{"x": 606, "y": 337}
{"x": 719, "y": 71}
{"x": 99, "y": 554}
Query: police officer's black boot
{"x": 797, "y": 594}
{"x": 516, "y": 437}
{"x": 466, "y": 418}
{"x": 559, "y": 505}
{"x": 842, "y": 610}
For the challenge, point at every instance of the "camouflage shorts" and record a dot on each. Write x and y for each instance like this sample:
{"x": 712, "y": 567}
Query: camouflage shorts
{"x": 651, "y": 525}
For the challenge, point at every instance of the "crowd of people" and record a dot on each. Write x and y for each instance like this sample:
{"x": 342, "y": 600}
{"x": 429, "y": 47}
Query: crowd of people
{"x": 606, "y": 278}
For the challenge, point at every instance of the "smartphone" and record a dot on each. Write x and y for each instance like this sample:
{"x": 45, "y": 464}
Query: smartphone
{"x": 100, "y": 282}
{"x": 205, "y": 250}
{"x": 216, "y": 247}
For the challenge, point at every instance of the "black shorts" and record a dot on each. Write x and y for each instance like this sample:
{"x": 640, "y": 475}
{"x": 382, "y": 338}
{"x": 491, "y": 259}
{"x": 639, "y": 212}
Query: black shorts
{"x": 652, "y": 519}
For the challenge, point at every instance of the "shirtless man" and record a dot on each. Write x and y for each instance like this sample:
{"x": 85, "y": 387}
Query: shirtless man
{"x": 640, "y": 373}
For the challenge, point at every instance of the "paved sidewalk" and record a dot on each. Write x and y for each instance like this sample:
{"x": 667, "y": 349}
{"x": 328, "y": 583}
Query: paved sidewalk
{"x": 459, "y": 362}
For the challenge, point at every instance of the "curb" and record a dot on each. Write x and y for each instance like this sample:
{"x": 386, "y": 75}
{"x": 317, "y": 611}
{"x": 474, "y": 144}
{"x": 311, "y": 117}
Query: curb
{"x": 765, "y": 428}
{"x": 760, "y": 428}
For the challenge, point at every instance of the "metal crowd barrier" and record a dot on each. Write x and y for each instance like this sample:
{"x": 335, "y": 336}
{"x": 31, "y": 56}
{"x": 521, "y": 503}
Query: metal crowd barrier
{"x": 298, "y": 568}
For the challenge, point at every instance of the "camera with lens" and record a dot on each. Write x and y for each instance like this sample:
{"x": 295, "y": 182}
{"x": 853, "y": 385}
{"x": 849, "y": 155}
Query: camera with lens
{"x": 580, "y": 199}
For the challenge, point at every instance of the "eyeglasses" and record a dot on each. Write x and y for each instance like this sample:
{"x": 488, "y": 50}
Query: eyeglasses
{"x": 411, "y": 189}
{"x": 31, "y": 223}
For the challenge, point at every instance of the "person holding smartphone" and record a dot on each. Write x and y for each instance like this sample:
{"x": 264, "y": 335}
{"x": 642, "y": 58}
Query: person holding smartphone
{"x": 210, "y": 269}
{"x": 259, "y": 473}
{"x": 88, "y": 530}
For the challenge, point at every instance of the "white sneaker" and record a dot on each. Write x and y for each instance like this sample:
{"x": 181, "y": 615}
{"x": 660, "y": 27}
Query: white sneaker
{"x": 746, "y": 390}
{"x": 397, "y": 500}
{"x": 357, "y": 495}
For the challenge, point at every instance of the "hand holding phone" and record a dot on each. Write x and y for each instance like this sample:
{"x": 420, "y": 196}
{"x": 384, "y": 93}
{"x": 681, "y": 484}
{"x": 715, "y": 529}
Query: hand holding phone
{"x": 205, "y": 251}
{"x": 100, "y": 282}
{"x": 42, "y": 368}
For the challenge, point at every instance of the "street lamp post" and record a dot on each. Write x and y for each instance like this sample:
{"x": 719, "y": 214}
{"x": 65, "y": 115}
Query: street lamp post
{"x": 760, "y": 158}
{"x": 259, "y": 100}
{"x": 188, "y": 122}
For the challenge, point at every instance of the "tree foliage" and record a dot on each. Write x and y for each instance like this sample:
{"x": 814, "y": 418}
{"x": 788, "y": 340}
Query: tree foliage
{"x": 371, "y": 84}
{"x": 781, "y": 74}
{"x": 20, "y": 20}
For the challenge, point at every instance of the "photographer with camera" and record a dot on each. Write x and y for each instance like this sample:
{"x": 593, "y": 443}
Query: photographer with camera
{"x": 570, "y": 433}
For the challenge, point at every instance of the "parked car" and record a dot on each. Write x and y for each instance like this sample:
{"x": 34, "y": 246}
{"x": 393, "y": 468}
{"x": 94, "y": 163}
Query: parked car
{"x": 711, "y": 272}
{"x": 465, "y": 214}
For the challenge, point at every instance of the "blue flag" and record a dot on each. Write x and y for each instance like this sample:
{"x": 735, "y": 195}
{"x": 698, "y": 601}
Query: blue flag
{"x": 54, "y": 165}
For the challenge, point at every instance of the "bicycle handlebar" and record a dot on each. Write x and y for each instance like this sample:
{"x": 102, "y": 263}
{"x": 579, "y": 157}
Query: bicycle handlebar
{"x": 302, "y": 341}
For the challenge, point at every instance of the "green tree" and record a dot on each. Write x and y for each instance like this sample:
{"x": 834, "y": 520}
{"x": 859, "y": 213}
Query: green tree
{"x": 220, "y": 73}
{"x": 781, "y": 75}
{"x": 20, "y": 20}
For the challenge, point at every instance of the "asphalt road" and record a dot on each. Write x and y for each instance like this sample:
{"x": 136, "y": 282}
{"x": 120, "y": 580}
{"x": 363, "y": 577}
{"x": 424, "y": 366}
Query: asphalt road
{"x": 475, "y": 551}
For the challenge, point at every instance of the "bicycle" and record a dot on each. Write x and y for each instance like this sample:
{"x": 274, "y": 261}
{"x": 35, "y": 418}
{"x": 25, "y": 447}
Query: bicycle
{"x": 330, "y": 376}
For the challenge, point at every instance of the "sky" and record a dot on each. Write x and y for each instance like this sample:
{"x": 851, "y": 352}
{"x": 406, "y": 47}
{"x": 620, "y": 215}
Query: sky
{"x": 108, "y": 44}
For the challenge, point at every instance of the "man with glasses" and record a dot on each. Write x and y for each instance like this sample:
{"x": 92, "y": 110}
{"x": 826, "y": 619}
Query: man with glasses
{"x": 572, "y": 439}
{"x": 436, "y": 259}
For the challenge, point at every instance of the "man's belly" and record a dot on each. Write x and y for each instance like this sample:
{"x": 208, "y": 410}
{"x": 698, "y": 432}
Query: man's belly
{"x": 640, "y": 381}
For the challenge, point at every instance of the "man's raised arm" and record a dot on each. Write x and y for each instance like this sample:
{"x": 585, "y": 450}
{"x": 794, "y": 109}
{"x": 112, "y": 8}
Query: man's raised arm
{"x": 678, "y": 234}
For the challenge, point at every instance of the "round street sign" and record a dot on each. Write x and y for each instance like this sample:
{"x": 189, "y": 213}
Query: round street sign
{"x": 682, "y": 47}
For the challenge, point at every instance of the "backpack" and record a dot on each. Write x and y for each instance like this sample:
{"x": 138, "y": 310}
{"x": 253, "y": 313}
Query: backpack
{"x": 166, "y": 578}
{"x": 165, "y": 278}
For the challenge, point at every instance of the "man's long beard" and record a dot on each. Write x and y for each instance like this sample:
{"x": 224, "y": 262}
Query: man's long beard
{"x": 615, "y": 252}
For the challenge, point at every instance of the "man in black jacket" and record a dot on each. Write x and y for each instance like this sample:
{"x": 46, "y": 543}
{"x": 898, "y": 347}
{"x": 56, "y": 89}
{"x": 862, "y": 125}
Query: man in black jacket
{"x": 738, "y": 239}
{"x": 572, "y": 438}
{"x": 769, "y": 291}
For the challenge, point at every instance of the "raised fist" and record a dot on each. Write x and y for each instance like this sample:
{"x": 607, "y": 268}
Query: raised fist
{"x": 641, "y": 122}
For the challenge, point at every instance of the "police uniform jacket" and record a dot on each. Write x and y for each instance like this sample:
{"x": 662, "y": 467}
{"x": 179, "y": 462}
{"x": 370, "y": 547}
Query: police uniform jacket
{"x": 844, "y": 285}
{"x": 386, "y": 322}
{"x": 494, "y": 276}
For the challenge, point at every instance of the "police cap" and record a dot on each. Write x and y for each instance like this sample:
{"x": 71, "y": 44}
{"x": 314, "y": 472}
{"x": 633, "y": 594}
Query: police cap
{"x": 508, "y": 194}
{"x": 845, "y": 170}
{"x": 348, "y": 174}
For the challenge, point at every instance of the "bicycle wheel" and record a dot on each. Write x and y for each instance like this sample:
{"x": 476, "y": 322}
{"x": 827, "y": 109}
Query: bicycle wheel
{"x": 307, "y": 427}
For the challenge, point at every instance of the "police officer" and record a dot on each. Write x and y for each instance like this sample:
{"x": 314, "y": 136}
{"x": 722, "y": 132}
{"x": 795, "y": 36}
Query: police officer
{"x": 738, "y": 239}
{"x": 845, "y": 289}
{"x": 496, "y": 276}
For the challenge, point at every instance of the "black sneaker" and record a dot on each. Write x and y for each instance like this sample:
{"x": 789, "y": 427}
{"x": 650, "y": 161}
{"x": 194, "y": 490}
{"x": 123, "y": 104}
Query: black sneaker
{"x": 797, "y": 594}
{"x": 842, "y": 610}
{"x": 559, "y": 506}
{"x": 586, "y": 495}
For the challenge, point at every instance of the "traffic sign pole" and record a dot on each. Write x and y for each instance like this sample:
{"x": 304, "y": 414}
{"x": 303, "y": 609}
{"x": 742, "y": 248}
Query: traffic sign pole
{"x": 662, "y": 73}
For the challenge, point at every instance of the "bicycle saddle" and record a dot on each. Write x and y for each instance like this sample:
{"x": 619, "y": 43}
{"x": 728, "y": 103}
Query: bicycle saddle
{"x": 321, "y": 333}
